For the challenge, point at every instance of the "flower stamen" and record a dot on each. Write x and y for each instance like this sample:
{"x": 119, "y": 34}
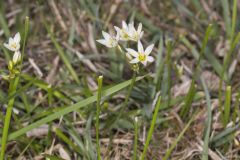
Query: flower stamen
{"x": 141, "y": 57}
{"x": 14, "y": 45}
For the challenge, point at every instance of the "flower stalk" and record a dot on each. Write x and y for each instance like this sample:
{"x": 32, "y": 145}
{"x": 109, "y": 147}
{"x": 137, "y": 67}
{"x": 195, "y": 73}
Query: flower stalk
{"x": 135, "y": 144}
{"x": 100, "y": 80}
{"x": 128, "y": 95}
{"x": 15, "y": 44}
{"x": 134, "y": 57}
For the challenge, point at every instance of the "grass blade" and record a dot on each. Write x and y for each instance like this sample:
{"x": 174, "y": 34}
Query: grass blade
{"x": 234, "y": 42}
{"x": 191, "y": 93}
{"x": 227, "y": 106}
{"x": 226, "y": 15}
{"x": 188, "y": 100}
{"x": 62, "y": 54}
{"x": 223, "y": 137}
{"x": 135, "y": 144}
{"x": 208, "y": 123}
{"x": 69, "y": 109}
{"x": 159, "y": 65}
{"x": 150, "y": 132}
{"x": 168, "y": 63}
{"x": 4, "y": 25}
{"x": 234, "y": 19}
{"x": 64, "y": 137}
{"x": 100, "y": 79}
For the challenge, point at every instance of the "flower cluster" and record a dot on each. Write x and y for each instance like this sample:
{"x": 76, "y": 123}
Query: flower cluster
{"x": 129, "y": 33}
{"x": 14, "y": 46}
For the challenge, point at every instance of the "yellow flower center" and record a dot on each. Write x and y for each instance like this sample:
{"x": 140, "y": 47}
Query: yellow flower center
{"x": 14, "y": 45}
{"x": 135, "y": 37}
{"x": 124, "y": 34}
{"x": 112, "y": 42}
{"x": 141, "y": 57}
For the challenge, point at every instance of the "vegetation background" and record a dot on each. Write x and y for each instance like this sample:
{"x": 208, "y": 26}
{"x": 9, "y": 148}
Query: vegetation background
{"x": 54, "y": 112}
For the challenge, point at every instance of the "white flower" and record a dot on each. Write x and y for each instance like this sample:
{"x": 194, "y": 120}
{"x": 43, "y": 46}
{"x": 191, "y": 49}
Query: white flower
{"x": 109, "y": 41}
{"x": 123, "y": 32}
{"x": 141, "y": 55}
{"x": 135, "y": 35}
{"x": 136, "y": 119}
{"x": 16, "y": 57}
{"x": 13, "y": 43}
{"x": 128, "y": 32}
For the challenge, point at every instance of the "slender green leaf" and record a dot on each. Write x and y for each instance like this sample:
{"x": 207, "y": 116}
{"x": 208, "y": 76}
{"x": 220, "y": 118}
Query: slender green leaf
{"x": 208, "y": 122}
{"x": 62, "y": 54}
{"x": 69, "y": 109}
{"x": 226, "y": 15}
{"x": 150, "y": 132}
{"x": 227, "y": 105}
{"x": 99, "y": 95}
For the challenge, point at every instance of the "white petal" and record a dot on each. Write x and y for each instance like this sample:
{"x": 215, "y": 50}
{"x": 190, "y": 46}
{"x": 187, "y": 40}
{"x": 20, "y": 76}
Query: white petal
{"x": 117, "y": 37}
{"x": 132, "y": 52}
{"x": 139, "y": 28}
{"x": 124, "y": 25}
{"x": 17, "y": 38}
{"x": 135, "y": 60}
{"x": 102, "y": 41}
{"x": 131, "y": 26}
{"x": 132, "y": 23}
{"x": 11, "y": 40}
{"x": 106, "y": 35}
{"x": 144, "y": 63}
{"x": 131, "y": 29}
{"x": 8, "y": 47}
{"x": 141, "y": 34}
{"x": 128, "y": 56}
{"x": 16, "y": 57}
{"x": 114, "y": 43}
{"x": 140, "y": 47}
{"x": 117, "y": 28}
{"x": 150, "y": 59}
{"x": 18, "y": 47}
{"x": 149, "y": 49}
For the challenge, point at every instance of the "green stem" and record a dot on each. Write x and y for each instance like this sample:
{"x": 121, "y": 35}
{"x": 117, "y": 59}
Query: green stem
{"x": 135, "y": 139}
{"x": 12, "y": 90}
{"x": 192, "y": 90}
{"x": 236, "y": 110}
{"x": 234, "y": 19}
{"x": 26, "y": 28}
{"x": 227, "y": 106}
{"x": 168, "y": 62}
{"x": 208, "y": 122}
{"x": 124, "y": 105}
{"x": 233, "y": 41}
{"x": 150, "y": 132}
{"x": 224, "y": 70}
{"x": 66, "y": 139}
{"x": 100, "y": 79}
{"x": 226, "y": 16}
{"x": 128, "y": 95}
